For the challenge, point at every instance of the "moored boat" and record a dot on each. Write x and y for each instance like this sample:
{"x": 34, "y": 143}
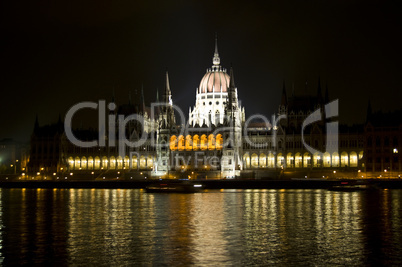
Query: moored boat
{"x": 350, "y": 187}
{"x": 174, "y": 187}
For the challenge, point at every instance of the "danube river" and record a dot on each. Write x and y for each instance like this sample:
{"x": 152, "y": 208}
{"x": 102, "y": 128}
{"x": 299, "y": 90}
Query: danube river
{"x": 227, "y": 227}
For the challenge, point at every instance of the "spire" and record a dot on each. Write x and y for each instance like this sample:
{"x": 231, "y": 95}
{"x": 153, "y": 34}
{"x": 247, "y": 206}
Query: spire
{"x": 326, "y": 98}
{"x": 142, "y": 99}
{"x": 167, "y": 109}
{"x": 168, "y": 94}
{"x": 216, "y": 60}
{"x": 232, "y": 87}
{"x": 232, "y": 83}
{"x": 231, "y": 105}
{"x": 284, "y": 100}
{"x": 158, "y": 110}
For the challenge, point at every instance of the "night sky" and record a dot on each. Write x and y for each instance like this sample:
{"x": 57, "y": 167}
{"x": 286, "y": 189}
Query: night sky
{"x": 55, "y": 54}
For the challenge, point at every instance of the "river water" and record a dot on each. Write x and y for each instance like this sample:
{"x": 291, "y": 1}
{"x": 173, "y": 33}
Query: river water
{"x": 215, "y": 228}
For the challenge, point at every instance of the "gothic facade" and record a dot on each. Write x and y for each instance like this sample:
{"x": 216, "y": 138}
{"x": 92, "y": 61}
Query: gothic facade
{"x": 217, "y": 141}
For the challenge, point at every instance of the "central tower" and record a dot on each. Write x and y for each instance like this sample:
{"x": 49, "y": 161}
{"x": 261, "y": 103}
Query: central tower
{"x": 211, "y": 95}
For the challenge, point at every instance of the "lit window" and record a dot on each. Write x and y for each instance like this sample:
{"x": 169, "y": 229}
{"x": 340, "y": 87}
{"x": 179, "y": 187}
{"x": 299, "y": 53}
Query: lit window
{"x": 395, "y": 151}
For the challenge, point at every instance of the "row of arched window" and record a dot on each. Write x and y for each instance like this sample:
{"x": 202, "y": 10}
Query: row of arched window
{"x": 299, "y": 160}
{"x": 196, "y": 142}
{"x": 111, "y": 163}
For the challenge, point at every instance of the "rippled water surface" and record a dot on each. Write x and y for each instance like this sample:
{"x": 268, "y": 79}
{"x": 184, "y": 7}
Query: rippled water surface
{"x": 227, "y": 227}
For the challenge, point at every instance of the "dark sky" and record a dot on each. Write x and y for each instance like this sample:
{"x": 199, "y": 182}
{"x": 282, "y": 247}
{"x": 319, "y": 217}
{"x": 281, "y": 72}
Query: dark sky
{"x": 55, "y": 54}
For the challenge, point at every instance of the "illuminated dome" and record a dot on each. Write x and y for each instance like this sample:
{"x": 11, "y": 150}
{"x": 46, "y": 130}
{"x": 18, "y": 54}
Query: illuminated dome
{"x": 215, "y": 93}
{"x": 215, "y": 80}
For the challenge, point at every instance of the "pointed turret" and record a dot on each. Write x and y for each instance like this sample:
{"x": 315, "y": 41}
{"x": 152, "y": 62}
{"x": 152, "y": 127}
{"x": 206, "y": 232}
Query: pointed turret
{"x": 231, "y": 105}
{"x": 167, "y": 97}
{"x": 284, "y": 100}
{"x": 167, "y": 109}
{"x": 216, "y": 60}
{"x": 231, "y": 89}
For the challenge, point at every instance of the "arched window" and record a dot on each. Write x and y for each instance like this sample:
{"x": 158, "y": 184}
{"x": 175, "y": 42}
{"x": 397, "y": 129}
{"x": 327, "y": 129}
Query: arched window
{"x": 317, "y": 160}
{"x": 112, "y": 163}
{"x": 143, "y": 162}
{"x": 327, "y": 159}
{"x": 83, "y": 163}
{"x": 77, "y": 163}
{"x": 211, "y": 142}
{"x": 134, "y": 162}
{"x": 271, "y": 160}
{"x": 173, "y": 143}
{"x": 90, "y": 163}
{"x": 298, "y": 160}
{"x": 263, "y": 160}
{"x": 126, "y": 162}
{"x": 280, "y": 160}
{"x": 219, "y": 141}
{"x": 246, "y": 159}
{"x": 105, "y": 162}
{"x": 119, "y": 162}
{"x": 180, "y": 144}
{"x": 306, "y": 160}
{"x": 289, "y": 160}
{"x": 254, "y": 161}
{"x": 335, "y": 159}
{"x": 189, "y": 143}
{"x": 71, "y": 163}
{"x": 344, "y": 159}
{"x": 353, "y": 159}
{"x": 196, "y": 142}
{"x": 204, "y": 142}
{"x": 97, "y": 163}
{"x": 150, "y": 162}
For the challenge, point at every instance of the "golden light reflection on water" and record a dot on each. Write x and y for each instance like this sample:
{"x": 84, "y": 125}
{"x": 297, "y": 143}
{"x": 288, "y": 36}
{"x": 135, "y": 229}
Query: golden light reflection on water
{"x": 227, "y": 227}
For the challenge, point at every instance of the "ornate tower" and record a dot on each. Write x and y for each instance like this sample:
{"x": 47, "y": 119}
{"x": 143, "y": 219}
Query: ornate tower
{"x": 211, "y": 95}
{"x": 233, "y": 122}
{"x": 166, "y": 128}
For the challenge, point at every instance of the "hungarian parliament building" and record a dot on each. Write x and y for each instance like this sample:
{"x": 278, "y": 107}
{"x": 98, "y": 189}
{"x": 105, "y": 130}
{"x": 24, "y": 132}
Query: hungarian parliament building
{"x": 218, "y": 141}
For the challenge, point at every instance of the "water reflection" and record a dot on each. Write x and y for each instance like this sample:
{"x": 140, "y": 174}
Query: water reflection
{"x": 236, "y": 227}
